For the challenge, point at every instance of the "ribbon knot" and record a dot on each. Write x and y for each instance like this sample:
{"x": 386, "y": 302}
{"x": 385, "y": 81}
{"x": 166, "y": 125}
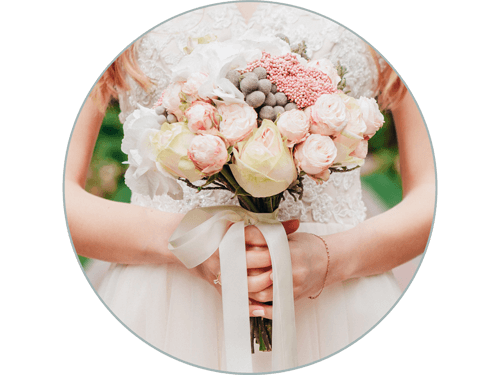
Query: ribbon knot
{"x": 199, "y": 235}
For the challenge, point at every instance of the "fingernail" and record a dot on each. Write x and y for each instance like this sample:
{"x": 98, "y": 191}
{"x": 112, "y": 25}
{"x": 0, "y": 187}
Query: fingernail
{"x": 258, "y": 313}
{"x": 271, "y": 276}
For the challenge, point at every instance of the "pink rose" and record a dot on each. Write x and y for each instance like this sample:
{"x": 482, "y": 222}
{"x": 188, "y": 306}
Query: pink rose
{"x": 355, "y": 123}
{"x": 361, "y": 150}
{"x": 193, "y": 83}
{"x": 208, "y": 153}
{"x": 237, "y": 121}
{"x": 328, "y": 115}
{"x": 294, "y": 125}
{"x": 171, "y": 99}
{"x": 315, "y": 155}
{"x": 201, "y": 116}
{"x": 371, "y": 115}
{"x": 327, "y": 67}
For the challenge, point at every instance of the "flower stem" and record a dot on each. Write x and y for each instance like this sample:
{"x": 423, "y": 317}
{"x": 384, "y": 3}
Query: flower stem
{"x": 226, "y": 172}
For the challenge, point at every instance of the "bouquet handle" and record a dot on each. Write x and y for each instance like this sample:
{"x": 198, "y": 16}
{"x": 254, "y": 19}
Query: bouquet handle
{"x": 199, "y": 235}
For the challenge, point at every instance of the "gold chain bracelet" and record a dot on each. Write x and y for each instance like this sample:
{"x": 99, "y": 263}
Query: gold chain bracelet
{"x": 327, "y": 266}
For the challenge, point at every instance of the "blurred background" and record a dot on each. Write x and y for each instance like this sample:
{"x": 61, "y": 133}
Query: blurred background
{"x": 380, "y": 175}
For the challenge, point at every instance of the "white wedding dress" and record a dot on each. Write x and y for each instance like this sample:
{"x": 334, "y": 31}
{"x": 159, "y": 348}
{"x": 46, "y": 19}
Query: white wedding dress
{"x": 181, "y": 315}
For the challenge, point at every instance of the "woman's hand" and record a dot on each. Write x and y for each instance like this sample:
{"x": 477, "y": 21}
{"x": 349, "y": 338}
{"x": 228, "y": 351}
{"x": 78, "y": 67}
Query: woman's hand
{"x": 258, "y": 261}
{"x": 260, "y": 280}
{"x": 309, "y": 267}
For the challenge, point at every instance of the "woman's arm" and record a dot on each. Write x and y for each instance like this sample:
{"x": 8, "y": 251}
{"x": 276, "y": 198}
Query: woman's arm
{"x": 380, "y": 243}
{"x": 106, "y": 230}
{"x": 128, "y": 234}
{"x": 401, "y": 233}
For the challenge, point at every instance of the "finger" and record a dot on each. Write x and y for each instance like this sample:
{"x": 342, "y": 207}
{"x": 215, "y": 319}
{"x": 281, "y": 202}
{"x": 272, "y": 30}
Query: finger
{"x": 258, "y": 259}
{"x": 260, "y": 310}
{"x": 254, "y": 237}
{"x": 291, "y": 225}
{"x": 259, "y": 282}
{"x": 265, "y": 295}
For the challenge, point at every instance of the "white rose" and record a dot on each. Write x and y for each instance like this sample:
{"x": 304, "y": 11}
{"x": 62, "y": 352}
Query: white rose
{"x": 144, "y": 175}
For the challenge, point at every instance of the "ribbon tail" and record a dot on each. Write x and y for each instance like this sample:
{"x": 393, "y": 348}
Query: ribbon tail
{"x": 284, "y": 352}
{"x": 234, "y": 284}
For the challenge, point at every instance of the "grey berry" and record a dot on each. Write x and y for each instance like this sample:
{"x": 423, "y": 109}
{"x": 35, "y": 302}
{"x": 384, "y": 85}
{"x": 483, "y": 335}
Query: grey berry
{"x": 290, "y": 106}
{"x": 274, "y": 88}
{"x": 265, "y": 86}
{"x": 267, "y": 112}
{"x": 261, "y": 72}
{"x": 281, "y": 99}
{"x": 234, "y": 77}
{"x": 171, "y": 118}
{"x": 248, "y": 85}
{"x": 161, "y": 119}
{"x": 250, "y": 74}
{"x": 270, "y": 100}
{"x": 278, "y": 110}
{"x": 255, "y": 99}
{"x": 160, "y": 110}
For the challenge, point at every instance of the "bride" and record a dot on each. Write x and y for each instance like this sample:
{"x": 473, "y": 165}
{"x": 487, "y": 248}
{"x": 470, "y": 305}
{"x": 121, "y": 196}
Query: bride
{"x": 343, "y": 284}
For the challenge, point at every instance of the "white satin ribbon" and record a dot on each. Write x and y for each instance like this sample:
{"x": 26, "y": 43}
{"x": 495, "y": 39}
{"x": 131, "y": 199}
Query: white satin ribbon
{"x": 199, "y": 235}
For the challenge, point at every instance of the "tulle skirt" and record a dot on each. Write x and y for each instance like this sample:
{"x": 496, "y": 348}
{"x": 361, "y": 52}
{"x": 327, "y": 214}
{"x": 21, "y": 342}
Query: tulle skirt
{"x": 182, "y": 316}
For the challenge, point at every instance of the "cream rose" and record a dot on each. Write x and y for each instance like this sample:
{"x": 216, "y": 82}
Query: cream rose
{"x": 237, "y": 121}
{"x": 294, "y": 125}
{"x": 208, "y": 153}
{"x": 263, "y": 165}
{"x": 201, "y": 116}
{"x": 372, "y": 116}
{"x": 171, "y": 145}
{"x": 329, "y": 115}
{"x": 315, "y": 155}
{"x": 349, "y": 149}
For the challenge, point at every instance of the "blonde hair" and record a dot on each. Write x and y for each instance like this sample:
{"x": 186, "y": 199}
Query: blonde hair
{"x": 115, "y": 78}
{"x": 390, "y": 89}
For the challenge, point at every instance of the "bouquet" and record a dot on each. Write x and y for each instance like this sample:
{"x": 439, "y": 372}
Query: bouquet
{"x": 254, "y": 117}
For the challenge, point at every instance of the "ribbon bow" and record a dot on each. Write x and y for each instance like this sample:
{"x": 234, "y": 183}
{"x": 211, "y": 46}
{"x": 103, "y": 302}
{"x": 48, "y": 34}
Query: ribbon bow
{"x": 199, "y": 235}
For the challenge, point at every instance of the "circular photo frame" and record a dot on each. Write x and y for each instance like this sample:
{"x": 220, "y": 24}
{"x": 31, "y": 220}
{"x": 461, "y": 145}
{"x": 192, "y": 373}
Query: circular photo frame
{"x": 236, "y": 192}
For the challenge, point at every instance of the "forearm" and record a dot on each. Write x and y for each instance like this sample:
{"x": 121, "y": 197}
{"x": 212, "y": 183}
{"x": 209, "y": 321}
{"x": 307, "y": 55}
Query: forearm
{"x": 118, "y": 232}
{"x": 385, "y": 241}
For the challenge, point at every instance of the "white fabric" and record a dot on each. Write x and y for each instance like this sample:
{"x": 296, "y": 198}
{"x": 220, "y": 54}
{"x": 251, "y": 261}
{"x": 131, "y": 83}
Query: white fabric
{"x": 204, "y": 230}
{"x": 181, "y": 314}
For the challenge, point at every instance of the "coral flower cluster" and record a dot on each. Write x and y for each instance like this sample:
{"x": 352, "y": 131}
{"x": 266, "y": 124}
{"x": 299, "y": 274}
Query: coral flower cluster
{"x": 302, "y": 85}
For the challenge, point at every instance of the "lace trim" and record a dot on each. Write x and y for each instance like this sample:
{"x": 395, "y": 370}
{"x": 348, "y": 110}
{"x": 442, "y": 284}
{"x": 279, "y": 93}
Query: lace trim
{"x": 338, "y": 200}
{"x": 162, "y": 48}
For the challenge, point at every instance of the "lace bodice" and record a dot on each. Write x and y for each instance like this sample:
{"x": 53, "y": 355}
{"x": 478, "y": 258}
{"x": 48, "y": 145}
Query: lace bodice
{"x": 336, "y": 201}
{"x": 339, "y": 199}
{"x": 161, "y": 48}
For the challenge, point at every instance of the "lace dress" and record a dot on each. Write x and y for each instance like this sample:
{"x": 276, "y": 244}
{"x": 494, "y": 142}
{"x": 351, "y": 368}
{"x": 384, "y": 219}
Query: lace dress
{"x": 181, "y": 315}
